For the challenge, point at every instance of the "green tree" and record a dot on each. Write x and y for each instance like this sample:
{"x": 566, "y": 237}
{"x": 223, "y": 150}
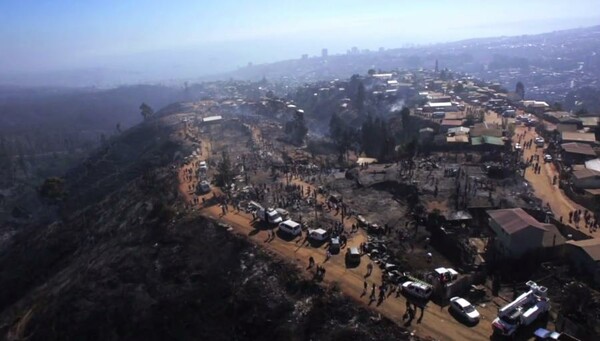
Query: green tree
{"x": 225, "y": 170}
{"x": 296, "y": 128}
{"x": 146, "y": 111}
{"x": 359, "y": 101}
{"x": 520, "y": 89}
{"x": 459, "y": 88}
{"x": 405, "y": 116}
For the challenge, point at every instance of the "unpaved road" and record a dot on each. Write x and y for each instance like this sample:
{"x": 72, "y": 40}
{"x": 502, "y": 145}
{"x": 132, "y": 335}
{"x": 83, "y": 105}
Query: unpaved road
{"x": 543, "y": 186}
{"x": 436, "y": 322}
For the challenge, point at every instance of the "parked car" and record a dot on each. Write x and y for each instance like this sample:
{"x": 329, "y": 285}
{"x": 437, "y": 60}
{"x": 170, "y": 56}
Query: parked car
{"x": 464, "y": 309}
{"x": 547, "y": 158}
{"x": 352, "y": 256}
{"x": 290, "y": 227}
{"x": 334, "y": 245}
{"x": 202, "y": 166}
{"x": 417, "y": 289}
{"x": 539, "y": 141}
{"x": 318, "y": 235}
{"x": 204, "y": 187}
{"x": 518, "y": 146}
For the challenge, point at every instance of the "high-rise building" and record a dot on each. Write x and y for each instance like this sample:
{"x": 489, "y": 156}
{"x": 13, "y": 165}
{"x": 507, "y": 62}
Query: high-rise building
{"x": 324, "y": 53}
{"x": 436, "y": 66}
{"x": 304, "y": 56}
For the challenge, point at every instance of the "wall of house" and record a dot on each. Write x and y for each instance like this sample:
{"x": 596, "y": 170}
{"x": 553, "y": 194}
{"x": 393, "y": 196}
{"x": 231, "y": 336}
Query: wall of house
{"x": 582, "y": 262}
{"x": 591, "y": 182}
{"x": 502, "y": 239}
{"x": 527, "y": 239}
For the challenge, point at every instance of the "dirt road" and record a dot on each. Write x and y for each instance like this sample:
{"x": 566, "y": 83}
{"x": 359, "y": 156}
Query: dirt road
{"x": 543, "y": 185}
{"x": 436, "y": 321}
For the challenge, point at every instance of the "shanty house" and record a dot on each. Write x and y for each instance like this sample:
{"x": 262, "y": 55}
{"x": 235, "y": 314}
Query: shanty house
{"x": 517, "y": 232}
{"x": 574, "y": 152}
{"x": 586, "y": 178}
{"x": 584, "y": 255}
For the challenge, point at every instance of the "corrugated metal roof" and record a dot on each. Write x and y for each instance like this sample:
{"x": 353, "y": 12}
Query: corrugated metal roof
{"x": 513, "y": 220}
{"x": 578, "y": 148}
{"x": 589, "y": 246}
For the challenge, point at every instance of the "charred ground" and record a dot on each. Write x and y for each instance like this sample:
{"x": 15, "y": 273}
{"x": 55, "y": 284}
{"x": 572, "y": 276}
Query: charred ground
{"x": 126, "y": 260}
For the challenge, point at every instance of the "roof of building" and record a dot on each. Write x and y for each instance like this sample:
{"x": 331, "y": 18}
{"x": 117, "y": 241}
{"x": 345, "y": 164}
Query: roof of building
{"x": 426, "y": 130}
{"x": 497, "y": 141}
{"x": 458, "y": 215}
{"x": 536, "y": 104}
{"x": 578, "y": 148}
{"x": 513, "y": 220}
{"x": 577, "y": 136}
{"x": 585, "y": 174}
{"x": 458, "y": 130}
{"x": 212, "y": 118}
{"x": 589, "y": 246}
{"x": 455, "y": 123}
{"x": 562, "y": 127}
{"x": 593, "y": 191}
{"x": 440, "y": 104}
{"x": 455, "y": 115}
{"x": 593, "y": 164}
{"x": 569, "y": 120}
{"x": 557, "y": 114}
{"x": 589, "y": 121}
{"x": 457, "y": 139}
{"x": 480, "y": 129}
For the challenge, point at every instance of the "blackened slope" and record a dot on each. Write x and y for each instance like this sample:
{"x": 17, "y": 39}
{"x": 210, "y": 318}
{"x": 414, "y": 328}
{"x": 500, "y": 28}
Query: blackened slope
{"x": 129, "y": 263}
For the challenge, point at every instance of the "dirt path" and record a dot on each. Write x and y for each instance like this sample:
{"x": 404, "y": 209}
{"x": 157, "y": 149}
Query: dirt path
{"x": 436, "y": 321}
{"x": 542, "y": 183}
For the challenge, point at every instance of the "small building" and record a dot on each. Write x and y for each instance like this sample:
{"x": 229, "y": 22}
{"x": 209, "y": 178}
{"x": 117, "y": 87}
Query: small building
{"x": 517, "y": 232}
{"x": 458, "y": 131}
{"x": 447, "y": 124}
{"x": 574, "y": 152}
{"x": 568, "y": 136}
{"x": 586, "y": 178}
{"x": 536, "y": 107}
{"x": 593, "y": 165}
{"x": 584, "y": 256}
{"x": 212, "y": 119}
{"x": 556, "y": 116}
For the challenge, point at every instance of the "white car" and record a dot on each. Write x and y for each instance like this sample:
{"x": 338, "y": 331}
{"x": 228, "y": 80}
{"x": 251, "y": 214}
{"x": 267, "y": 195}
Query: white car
{"x": 465, "y": 309}
{"x": 202, "y": 166}
{"x": 291, "y": 227}
{"x": 417, "y": 289}
{"x": 547, "y": 158}
{"x": 518, "y": 146}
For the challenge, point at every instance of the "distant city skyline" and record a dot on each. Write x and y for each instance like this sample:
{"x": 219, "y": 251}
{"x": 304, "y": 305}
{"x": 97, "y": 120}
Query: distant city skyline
{"x": 198, "y": 38}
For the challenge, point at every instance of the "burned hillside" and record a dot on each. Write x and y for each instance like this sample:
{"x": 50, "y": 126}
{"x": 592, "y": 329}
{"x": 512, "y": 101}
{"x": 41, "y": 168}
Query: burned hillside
{"x": 129, "y": 261}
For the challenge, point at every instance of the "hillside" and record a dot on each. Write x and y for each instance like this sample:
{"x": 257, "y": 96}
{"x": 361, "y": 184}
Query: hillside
{"x": 127, "y": 260}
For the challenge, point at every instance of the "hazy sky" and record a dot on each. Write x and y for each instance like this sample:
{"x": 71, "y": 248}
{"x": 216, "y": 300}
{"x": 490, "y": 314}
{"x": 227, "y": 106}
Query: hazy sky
{"x": 41, "y": 35}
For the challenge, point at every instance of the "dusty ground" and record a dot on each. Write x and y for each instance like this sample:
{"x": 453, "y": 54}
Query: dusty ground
{"x": 436, "y": 321}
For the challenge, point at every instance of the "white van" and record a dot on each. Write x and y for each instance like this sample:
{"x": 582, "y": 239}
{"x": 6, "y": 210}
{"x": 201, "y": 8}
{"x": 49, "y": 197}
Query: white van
{"x": 290, "y": 227}
{"x": 318, "y": 235}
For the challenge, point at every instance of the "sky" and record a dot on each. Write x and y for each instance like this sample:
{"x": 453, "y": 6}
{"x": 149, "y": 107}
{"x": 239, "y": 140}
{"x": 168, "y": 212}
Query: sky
{"x": 208, "y": 36}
